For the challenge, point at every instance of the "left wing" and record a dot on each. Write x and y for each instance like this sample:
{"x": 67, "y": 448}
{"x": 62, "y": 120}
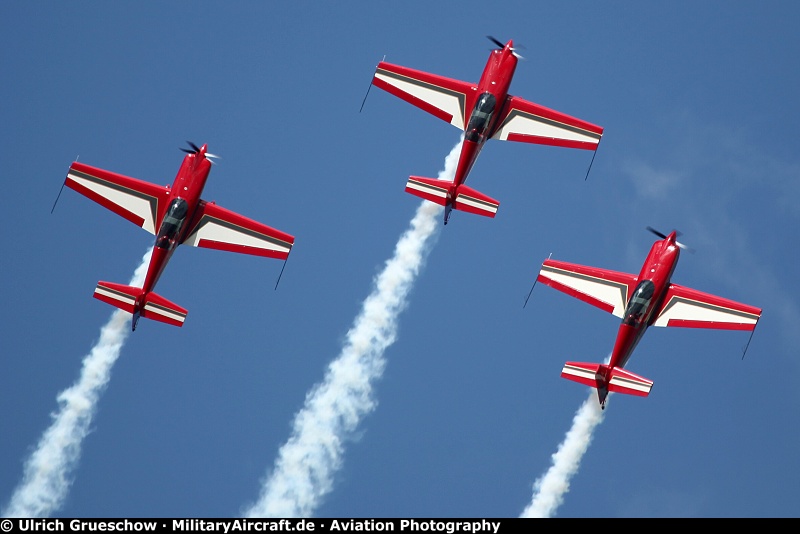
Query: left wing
{"x": 442, "y": 97}
{"x": 527, "y": 122}
{"x": 694, "y": 309}
{"x": 608, "y": 290}
{"x": 138, "y": 201}
{"x": 218, "y": 228}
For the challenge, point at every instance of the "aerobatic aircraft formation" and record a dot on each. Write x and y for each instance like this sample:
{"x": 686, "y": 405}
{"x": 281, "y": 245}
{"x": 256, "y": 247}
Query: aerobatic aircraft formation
{"x": 484, "y": 110}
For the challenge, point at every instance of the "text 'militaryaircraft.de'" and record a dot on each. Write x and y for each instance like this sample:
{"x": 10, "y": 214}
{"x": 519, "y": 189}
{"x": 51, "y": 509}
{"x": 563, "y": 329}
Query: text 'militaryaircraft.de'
{"x": 176, "y": 215}
{"x": 649, "y": 299}
{"x": 483, "y": 111}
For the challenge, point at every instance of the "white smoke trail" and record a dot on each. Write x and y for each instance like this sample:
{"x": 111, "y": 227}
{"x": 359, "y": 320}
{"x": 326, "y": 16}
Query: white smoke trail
{"x": 549, "y": 490}
{"x": 304, "y": 469}
{"x": 47, "y": 476}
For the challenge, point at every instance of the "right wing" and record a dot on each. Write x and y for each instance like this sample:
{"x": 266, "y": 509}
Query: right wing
{"x": 218, "y": 228}
{"x": 442, "y": 97}
{"x": 690, "y": 308}
{"x": 136, "y": 200}
{"x": 608, "y": 290}
{"x": 527, "y": 122}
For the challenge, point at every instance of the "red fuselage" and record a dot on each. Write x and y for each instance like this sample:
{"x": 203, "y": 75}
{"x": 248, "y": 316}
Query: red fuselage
{"x": 184, "y": 197}
{"x": 653, "y": 283}
{"x": 486, "y": 108}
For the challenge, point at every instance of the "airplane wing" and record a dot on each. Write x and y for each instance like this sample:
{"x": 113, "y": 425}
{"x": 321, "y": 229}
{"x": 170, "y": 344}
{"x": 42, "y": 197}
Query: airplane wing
{"x": 136, "y": 200}
{"x": 694, "y": 309}
{"x": 527, "y": 122}
{"x": 442, "y": 97}
{"x": 608, "y": 290}
{"x": 218, "y": 228}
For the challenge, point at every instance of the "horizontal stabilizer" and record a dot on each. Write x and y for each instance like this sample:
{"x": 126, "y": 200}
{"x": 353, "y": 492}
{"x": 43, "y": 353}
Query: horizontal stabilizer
{"x": 152, "y": 306}
{"x": 472, "y": 201}
{"x": 437, "y": 191}
{"x": 618, "y": 379}
{"x": 443, "y": 191}
{"x": 583, "y": 373}
{"x": 623, "y": 381}
{"x": 158, "y": 308}
{"x": 119, "y": 295}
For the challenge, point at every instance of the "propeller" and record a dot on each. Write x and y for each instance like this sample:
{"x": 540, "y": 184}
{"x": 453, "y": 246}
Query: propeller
{"x": 495, "y": 41}
{"x": 677, "y": 234}
{"x": 196, "y": 149}
{"x": 501, "y": 46}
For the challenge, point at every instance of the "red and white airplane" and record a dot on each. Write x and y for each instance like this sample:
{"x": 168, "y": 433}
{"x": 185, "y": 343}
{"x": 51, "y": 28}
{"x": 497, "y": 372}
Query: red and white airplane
{"x": 176, "y": 215}
{"x": 649, "y": 299}
{"x": 484, "y": 110}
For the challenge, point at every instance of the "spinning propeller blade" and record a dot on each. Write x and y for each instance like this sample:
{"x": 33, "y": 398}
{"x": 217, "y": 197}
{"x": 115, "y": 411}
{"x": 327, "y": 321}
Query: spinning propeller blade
{"x": 195, "y": 148}
{"x": 495, "y": 41}
{"x": 663, "y": 236}
{"x": 501, "y": 46}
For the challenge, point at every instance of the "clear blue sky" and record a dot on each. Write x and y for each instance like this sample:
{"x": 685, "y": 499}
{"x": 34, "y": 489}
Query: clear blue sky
{"x": 699, "y": 104}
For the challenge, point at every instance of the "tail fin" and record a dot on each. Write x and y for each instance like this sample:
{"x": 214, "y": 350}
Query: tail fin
{"x": 134, "y": 300}
{"x": 606, "y": 379}
{"x": 444, "y": 192}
